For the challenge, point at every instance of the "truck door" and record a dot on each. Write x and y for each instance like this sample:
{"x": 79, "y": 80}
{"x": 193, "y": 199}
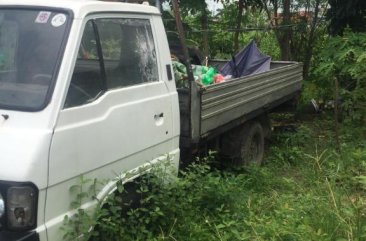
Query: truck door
{"x": 118, "y": 112}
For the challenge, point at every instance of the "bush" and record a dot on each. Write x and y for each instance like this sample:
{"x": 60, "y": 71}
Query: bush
{"x": 344, "y": 59}
{"x": 305, "y": 191}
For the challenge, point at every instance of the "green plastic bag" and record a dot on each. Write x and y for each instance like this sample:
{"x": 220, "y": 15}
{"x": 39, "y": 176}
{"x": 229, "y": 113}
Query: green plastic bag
{"x": 208, "y": 77}
{"x": 180, "y": 74}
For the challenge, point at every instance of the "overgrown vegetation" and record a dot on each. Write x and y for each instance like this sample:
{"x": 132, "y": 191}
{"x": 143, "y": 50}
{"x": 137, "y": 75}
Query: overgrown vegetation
{"x": 308, "y": 188}
{"x": 343, "y": 61}
{"x": 304, "y": 191}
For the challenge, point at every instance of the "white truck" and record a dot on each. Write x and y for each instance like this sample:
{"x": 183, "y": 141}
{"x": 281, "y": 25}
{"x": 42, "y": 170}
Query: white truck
{"x": 86, "y": 88}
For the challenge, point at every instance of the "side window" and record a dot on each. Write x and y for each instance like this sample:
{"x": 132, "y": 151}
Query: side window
{"x": 110, "y": 33}
{"x": 128, "y": 51}
{"x": 129, "y": 58}
{"x": 8, "y": 45}
{"x": 8, "y": 51}
{"x": 86, "y": 83}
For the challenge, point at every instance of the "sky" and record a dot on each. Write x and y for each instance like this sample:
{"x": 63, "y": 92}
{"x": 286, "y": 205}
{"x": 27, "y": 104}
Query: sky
{"x": 213, "y": 6}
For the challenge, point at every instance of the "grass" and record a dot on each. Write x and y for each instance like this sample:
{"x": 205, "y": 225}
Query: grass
{"x": 304, "y": 191}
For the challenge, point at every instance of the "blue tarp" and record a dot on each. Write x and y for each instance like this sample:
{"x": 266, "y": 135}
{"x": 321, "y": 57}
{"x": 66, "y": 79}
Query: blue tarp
{"x": 247, "y": 62}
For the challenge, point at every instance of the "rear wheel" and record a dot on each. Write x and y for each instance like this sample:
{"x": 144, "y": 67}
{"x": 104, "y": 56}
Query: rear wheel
{"x": 252, "y": 145}
{"x": 244, "y": 145}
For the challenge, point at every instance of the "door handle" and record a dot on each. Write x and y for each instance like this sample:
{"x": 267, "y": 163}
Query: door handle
{"x": 159, "y": 119}
{"x": 157, "y": 116}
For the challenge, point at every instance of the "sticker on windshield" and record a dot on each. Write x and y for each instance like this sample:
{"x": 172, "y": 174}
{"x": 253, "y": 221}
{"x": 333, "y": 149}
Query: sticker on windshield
{"x": 58, "y": 20}
{"x": 43, "y": 17}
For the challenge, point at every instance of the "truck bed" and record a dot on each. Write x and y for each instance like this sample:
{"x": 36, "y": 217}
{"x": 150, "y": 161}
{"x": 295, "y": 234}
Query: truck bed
{"x": 217, "y": 105}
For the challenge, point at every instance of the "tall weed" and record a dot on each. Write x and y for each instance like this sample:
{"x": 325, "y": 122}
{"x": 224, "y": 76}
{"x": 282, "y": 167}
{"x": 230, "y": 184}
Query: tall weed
{"x": 303, "y": 192}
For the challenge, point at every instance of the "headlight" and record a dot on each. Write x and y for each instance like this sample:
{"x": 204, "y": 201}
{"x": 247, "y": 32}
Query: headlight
{"x": 2, "y": 206}
{"x": 21, "y": 207}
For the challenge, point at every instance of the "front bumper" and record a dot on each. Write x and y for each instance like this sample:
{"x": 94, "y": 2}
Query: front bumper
{"x": 19, "y": 236}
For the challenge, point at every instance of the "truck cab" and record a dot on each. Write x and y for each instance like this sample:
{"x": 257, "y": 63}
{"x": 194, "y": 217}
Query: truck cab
{"x": 86, "y": 89}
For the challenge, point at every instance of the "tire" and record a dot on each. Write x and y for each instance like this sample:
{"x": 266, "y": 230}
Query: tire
{"x": 252, "y": 145}
{"x": 244, "y": 145}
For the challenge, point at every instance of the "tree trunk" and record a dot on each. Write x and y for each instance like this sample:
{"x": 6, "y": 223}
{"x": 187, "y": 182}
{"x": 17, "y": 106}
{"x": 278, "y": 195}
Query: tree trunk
{"x": 238, "y": 25}
{"x": 204, "y": 25}
{"x": 285, "y": 41}
{"x": 310, "y": 45}
{"x": 159, "y": 5}
{"x": 275, "y": 24}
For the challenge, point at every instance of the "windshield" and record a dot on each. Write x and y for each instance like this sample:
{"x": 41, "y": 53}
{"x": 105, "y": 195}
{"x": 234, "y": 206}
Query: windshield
{"x": 30, "y": 47}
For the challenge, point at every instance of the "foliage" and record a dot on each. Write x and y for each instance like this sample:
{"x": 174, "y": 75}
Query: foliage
{"x": 344, "y": 59}
{"x": 77, "y": 227}
{"x": 221, "y": 32}
{"x": 349, "y": 13}
{"x": 304, "y": 33}
{"x": 305, "y": 191}
{"x": 298, "y": 29}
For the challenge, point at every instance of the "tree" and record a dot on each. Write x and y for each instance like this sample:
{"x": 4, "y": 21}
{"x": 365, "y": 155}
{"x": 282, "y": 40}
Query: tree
{"x": 199, "y": 8}
{"x": 286, "y": 36}
{"x": 243, "y": 5}
{"x": 350, "y": 13}
{"x": 343, "y": 62}
{"x": 298, "y": 28}
{"x": 280, "y": 24}
{"x": 238, "y": 24}
{"x": 311, "y": 38}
